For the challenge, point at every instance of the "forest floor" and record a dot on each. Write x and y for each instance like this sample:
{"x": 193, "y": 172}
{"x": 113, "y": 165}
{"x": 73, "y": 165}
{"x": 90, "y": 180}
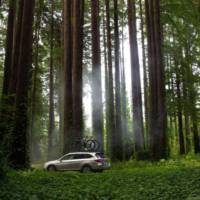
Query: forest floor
{"x": 165, "y": 180}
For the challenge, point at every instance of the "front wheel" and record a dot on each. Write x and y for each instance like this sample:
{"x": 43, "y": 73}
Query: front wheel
{"x": 51, "y": 168}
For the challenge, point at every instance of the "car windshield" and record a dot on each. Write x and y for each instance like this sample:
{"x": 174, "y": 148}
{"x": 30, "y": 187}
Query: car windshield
{"x": 100, "y": 155}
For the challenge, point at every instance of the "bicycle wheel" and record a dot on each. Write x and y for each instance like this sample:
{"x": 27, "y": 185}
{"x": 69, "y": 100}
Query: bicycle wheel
{"x": 90, "y": 145}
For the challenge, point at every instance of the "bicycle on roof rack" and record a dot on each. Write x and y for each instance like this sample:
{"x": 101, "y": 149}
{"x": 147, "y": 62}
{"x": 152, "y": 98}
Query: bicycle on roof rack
{"x": 86, "y": 143}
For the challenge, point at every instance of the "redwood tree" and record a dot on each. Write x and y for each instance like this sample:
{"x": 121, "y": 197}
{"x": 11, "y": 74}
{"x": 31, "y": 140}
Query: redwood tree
{"x": 51, "y": 85}
{"x": 68, "y": 117}
{"x": 118, "y": 148}
{"x": 157, "y": 114}
{"x": 136, "y": 83}
{"x": 19, "y": 151}
{"x": 97, "y": 106}
{"x": 77, "y": 47}
{"x": 110, "y": 110}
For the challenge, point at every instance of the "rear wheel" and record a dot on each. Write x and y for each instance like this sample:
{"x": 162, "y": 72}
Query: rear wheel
{"x": 86, "y": 169}
{"x": 51, "y": 168}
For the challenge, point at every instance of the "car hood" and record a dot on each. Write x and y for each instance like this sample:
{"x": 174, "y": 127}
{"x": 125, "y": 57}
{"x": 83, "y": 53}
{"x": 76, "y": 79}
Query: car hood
{"x": 51, "y": 162}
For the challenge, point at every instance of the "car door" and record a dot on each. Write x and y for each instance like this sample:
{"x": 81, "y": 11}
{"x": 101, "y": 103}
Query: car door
{"x": 76, "y": 163}
{"x": 66, "y": 162}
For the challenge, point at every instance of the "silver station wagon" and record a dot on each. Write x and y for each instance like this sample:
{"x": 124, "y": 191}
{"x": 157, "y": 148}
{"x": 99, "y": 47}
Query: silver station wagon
{"x": 79, "y": 161}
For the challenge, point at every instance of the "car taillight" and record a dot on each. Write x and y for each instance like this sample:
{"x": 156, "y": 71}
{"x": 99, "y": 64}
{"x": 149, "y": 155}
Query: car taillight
{"x": 99, "y": 161}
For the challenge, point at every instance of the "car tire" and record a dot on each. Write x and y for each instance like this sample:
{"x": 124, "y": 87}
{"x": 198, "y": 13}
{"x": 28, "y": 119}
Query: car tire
{"x": 86, "y": 169}
{"x": 51, "y": 168}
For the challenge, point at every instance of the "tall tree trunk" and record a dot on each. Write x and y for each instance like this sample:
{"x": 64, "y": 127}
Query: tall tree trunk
{"x": 16, "y": 51}
{"x": 19, "y": 151}
{"x": 180, "y": 120}
{"x": 111, "y": 122}
{"x": 51, "y": 84}
{"x": 61, "y": 83}
{"x": 195, "y": 133}
{"x": 4, "y": 113}
{"x": 34, "y": 146}
{"x": 145, "y": 72}
{"x": 136, "y": 83}
{"x": 118, "y": 131}
{"x": 157, "y": 114}
{"x": 97, "y": 112}
{"x": 68, "y": 112}
{"x": 186, "y": 118}
{"x": 9, "y": 48}
{"x": 78, "y": 20}
{"x": 106, "y": 80}
{"x": 125, "y": 137}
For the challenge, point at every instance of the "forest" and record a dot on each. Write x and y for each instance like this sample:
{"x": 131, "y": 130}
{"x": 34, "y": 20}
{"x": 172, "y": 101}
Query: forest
{"x": 123, "y": 73}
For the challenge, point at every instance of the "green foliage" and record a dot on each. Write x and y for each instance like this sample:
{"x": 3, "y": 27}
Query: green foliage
{"x": 173, "y": 179}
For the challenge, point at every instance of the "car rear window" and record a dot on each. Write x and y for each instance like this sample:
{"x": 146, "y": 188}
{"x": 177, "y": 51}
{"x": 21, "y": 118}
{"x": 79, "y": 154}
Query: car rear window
{"x": 100, "y": 155}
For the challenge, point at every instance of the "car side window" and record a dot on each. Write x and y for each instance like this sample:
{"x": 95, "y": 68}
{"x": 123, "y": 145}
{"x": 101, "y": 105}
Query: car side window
{"x": 82, "y": 156}
{"x": 78, "y": 156}
{"x": 88, "y": 156}
{"x": 68, "y": 157}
